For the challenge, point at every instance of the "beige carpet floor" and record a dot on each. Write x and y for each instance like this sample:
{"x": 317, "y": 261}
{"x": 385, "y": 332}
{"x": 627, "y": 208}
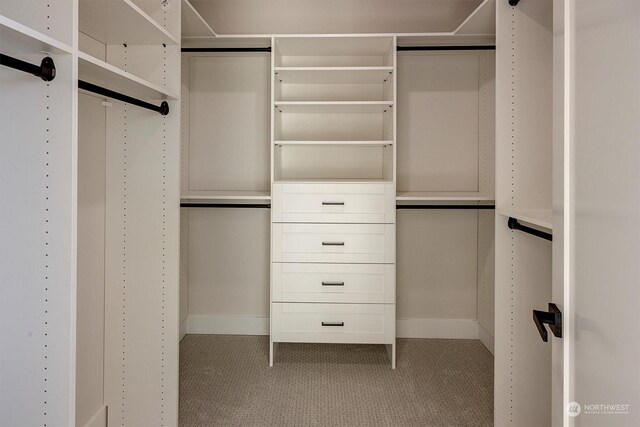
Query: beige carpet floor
{"x": 226, "y": 381}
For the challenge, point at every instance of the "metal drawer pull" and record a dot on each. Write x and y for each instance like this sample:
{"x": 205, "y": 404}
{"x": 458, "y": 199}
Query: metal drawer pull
{"x": 332, "y": 323}
{"x": 332, "y": 283}
{"x": 332, "y": 203}
{"x": 332, "y": 243}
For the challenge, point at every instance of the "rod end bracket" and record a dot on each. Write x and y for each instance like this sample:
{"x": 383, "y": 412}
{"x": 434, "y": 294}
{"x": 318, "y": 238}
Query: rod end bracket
{"x": 164, "y": 108}
{"x": 48, "y": 69}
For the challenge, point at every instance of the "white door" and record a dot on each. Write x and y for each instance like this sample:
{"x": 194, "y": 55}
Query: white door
{"x": 601, "y": 272}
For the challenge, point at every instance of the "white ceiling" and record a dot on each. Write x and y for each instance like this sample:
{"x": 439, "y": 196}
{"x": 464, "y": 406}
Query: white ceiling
{"x": 334, "y": 16}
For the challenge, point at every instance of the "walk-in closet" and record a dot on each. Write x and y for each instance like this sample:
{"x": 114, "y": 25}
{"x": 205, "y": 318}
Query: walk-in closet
{"x": 328, "y": 213}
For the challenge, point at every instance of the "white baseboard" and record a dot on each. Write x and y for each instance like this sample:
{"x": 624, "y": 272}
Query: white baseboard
{"x": 99, "y": 419}
{"x": 227, "y": 325}
{"x": 183, "y": 329}
{"x": 437, "y": 328}
{"x": 405, "y": 328}
{"x": 485, "y": 338}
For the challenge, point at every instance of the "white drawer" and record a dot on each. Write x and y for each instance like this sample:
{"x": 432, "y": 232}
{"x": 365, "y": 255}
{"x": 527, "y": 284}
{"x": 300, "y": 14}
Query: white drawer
{"x": 353, "y": 283}
{"x": 365, "y": 203}
{"x": 337, "y": 243}
{"x": 333, "y": 323}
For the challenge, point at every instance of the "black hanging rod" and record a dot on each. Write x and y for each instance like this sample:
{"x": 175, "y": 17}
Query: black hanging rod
{"x": 514, "y": 224}
{"x": 46, "y": 70}
{"x": 226, "y": 49}
{"x": 481, "y": 207}
{"x": 162, "y": 108}
{"x": 226, "y": 205}
{"x": 454, "y": 47}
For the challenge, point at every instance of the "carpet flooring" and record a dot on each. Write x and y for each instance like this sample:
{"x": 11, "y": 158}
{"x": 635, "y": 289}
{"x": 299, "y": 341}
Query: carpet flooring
{"x": 226, "y": 381}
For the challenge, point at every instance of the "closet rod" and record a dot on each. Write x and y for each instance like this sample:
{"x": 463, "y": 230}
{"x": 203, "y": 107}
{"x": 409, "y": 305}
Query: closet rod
{"x": 162, "y": 108}
{"x": 226, "y": 205}
{"x": 454, "y": 47}
{"x": 46, "y": 70}
{"x": 482, "y": 207}
{"x": 226, "y": 49}
{"x": 513, "y": 224}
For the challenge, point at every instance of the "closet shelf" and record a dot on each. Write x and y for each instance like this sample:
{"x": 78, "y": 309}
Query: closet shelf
{"x": 193, "y": 24}
{"x": 18, "y": 39}
{"x": 540, "y": 217}
{"x": 333, "y": 75}
{"x": 333, "y": 106}
{"x": 335, "y": 143}
{"x": 216, "y": 196}
{"x": 121, "y": 22}
{"x": 442, "y": 196}
{"x": 333, "y": 180}
{"x": 100, "y": 73}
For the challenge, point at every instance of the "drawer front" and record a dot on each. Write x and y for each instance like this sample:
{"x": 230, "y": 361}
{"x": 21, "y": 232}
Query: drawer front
{"x": 334, "y": 203}
{"x": 337, "y": 243}
{"x": 350, "y": 283}
{"x": 333, "y": 323}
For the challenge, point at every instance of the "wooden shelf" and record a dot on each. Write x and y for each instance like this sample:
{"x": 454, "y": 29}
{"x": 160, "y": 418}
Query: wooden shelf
{"x": 121, "y": 22}
{"x": 193, "y": 24}
{"x": 333, "y": 106}
{"x": 19, "y": 39}
{"x": 336, "y": 143}
{"x": 332, "y": 75}
{"x": 100, "y": 73}
{"x": 540, "y": 217}
{"x": 442, "y": 196}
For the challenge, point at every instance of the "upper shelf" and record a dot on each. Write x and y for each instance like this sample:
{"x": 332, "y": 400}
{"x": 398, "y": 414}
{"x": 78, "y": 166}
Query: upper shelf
{"x": 100, "y": 73}
{"x": 17, "y": 39}
{"x": 333, "y": 106}
{"x": 121, "y": 22}
{"x": 333, "y": 75}
{"x": 193, "y": 24}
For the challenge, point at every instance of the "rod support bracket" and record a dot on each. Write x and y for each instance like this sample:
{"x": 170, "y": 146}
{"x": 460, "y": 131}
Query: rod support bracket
{"x": 48, "y": 69}
{"x": 513, "y": 2}
{"x": 164, "y": 108}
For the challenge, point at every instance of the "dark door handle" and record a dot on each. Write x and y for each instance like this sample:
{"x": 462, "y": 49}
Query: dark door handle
{"x": 553, "y": 318}
{"x": 332, "y": 323}
{"x": 332, "y": 283}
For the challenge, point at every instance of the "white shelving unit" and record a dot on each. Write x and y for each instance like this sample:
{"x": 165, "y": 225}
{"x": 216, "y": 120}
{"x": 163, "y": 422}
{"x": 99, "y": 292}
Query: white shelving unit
{"x": 333, "y": 178}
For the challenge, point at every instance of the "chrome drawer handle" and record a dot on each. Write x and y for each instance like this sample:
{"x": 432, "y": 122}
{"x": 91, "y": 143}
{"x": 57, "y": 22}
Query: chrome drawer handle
{"x": 332, "y": 283}
{"x": 332, "y": 243}
{"x": 332, "y": 203}
{"x": 332, "y": 323}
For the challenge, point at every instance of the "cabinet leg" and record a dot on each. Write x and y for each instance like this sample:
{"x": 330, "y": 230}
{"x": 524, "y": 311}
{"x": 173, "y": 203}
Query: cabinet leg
{"x": 391, "y": 351}
{"x": 273, "y": 346}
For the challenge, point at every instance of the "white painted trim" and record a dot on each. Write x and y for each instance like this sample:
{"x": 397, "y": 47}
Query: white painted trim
{"x": 486, "y": 338}
{"x": 405, "y": 328}
{"x": 183, "y": 328}
{"x": 437, "y": 328}
{"x": 99, "y": 419}
{"x": 227, "y": 325}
